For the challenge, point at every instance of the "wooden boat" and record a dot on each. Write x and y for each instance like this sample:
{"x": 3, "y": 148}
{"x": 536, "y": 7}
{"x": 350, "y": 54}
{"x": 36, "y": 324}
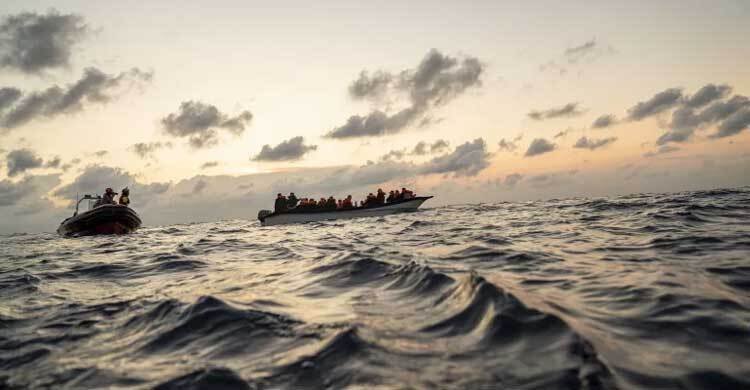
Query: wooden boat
{"x": 268, "y": 218}
{"x": 103, "y": 219}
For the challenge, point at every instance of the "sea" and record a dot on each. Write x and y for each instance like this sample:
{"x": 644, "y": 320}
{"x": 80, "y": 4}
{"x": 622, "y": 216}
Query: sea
{"x": 645, "y": 291}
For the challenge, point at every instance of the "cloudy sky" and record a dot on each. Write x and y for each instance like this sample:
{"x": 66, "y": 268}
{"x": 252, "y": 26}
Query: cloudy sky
{"x": 206, "y": 111}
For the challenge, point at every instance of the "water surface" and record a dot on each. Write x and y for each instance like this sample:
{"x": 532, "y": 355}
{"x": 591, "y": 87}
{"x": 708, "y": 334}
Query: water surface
{"x": 640, "y": 291}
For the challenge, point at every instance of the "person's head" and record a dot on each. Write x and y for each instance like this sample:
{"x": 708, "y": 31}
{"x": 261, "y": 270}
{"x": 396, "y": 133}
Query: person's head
{"x": 403, "y": 189}
{"x": 279, "y": 195}
{"x": 126, "y": 191}
{"x": 109, "y": 191}
{"x": 291, "y": 194}
{"x": 349, "y": 197}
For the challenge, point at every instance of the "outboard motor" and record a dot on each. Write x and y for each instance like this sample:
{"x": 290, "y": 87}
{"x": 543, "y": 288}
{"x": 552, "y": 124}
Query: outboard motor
{"x": 262, "y": 214}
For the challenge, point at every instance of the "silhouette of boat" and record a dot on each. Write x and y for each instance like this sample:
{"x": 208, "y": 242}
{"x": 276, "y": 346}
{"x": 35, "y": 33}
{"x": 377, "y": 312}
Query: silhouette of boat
{"x": 268, "y": 218}
{"x": 103, "y": 219}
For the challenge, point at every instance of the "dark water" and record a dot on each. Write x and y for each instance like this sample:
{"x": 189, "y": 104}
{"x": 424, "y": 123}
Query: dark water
{"x": 642, "y": 291}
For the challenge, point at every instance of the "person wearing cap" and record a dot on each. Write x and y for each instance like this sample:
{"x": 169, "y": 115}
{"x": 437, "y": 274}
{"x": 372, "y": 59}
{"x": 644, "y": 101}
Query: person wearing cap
{"x": 280, "y": 204}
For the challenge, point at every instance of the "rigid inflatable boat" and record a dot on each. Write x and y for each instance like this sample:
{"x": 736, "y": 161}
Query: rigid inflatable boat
{"x": 103, "y": 219}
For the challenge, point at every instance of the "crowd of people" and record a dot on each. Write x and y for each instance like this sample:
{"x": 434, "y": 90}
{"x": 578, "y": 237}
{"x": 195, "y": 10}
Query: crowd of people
{"x": 291, "y": 202}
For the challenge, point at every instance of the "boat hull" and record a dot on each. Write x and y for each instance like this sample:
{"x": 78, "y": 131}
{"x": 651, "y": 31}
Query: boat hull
{"x": 105, "y": 219}
{"x": 323, "y": 215}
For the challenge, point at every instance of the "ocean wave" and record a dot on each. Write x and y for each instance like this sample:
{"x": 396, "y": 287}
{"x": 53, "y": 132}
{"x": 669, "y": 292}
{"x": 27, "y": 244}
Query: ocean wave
{"x": 637, "y": 291}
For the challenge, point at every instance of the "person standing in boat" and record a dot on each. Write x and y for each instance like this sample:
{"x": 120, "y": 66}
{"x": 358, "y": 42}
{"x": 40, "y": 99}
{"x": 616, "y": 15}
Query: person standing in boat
{"x": 125, "y": 197}
{"x": 279, "y": 205}
{"x": 380, "y": 197}
{"x": 107, "y": 198}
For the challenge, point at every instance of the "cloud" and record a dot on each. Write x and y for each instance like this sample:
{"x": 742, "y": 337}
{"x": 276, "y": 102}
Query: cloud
{"x": 200, "y": 185}
{"x": 148, "y": 150}
{"x": 739, "y": 121}
{"x": 377, "y": 123}
{"x": 512, "y": 179}
{"x": 94, "y": 87}
{"x": 8, "y": 96}
{"x": 393, "y": 155}
{"x": 568, "y": 110}
{"x": 660, "y": 102}
{"x": 422, "y": 148}
{"x": 466, "y": 160}
{"x": 593, "y": 143}
{"x": 11, "y": 193}
{"x": 604, "y": 121}
{"x": 509, "y": 146}
{"x": 576, "y": 53}
{"x": 563, "y": 133}
{"x": 21, "y": 160}
{"x": 289, "y": 150}
{"x": 101, "y": 153}
{"x": 662, "y": 150}
{"x": 54, "y": 163}
{"x": 366, "y": 87}
{"x": 32, "y": 42}
{"x": 539, "y": 146}
{"x": 707, "y": 94}
{"x": 209, "y": 164}
{"x": 437, "y": 80}
{"x": 686, "y": 120}
{"x": 95, "y": 178}
{"x": 199, "y": 122}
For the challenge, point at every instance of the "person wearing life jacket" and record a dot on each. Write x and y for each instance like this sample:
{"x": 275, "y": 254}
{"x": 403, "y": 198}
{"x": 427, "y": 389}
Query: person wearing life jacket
{"x": 380, "y": 197}
{"x": 279, "y": 205}
{"x": 125, "y": 197}
{"x": 347, "y": 202}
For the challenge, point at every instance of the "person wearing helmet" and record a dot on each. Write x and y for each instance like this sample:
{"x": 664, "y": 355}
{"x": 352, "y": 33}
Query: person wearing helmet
{"x": 125, "y": 197}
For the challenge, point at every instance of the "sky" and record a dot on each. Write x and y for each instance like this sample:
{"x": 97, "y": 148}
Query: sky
{"x": 207, "y": 110}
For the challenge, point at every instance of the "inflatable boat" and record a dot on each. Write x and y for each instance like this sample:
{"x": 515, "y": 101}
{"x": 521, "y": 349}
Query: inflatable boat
{"x": 103, "y": 219}
{"x": 268, "y": 218}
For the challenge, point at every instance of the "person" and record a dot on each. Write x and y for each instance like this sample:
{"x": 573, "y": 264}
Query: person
{"x": 292, "y": 201}
{"x": 331, "y": 203}
{"x": 339, "y": 204}
{"x": 391, "y": 197}
{"x": 125, "y": 197}
{"x": 406, "y": 194}
{"x": 107, "y": 198}
{"x": 369, "y": 201}
{"x": 347, "y": 203}
{"x": 280, "y": 204}
{"x": 396, "y": 195}
{"x": 380, "y": 197}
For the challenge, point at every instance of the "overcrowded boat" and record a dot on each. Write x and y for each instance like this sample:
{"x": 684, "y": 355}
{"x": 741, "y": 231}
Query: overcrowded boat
{"x": 291, "y": 210}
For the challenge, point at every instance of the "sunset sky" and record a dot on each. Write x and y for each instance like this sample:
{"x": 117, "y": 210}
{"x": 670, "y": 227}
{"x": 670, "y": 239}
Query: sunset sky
{"x": 208, "y": 109}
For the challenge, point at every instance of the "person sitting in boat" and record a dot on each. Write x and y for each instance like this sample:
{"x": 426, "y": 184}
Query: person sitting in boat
{"x": 291, "y": 201}
{"x": 391, "y": 197}
{"x": 347, "y": 203}
{"x": 331, "y": 203}
{"x": 125, "y": 197}
{"x": 396, "y": 195}
{"x": 339, "y": 204}
{"x": 370, "y": 201}
{"x": 380, "y": 197}
{"x": 280, "y": 205}
{"x": 406, "y": 194}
